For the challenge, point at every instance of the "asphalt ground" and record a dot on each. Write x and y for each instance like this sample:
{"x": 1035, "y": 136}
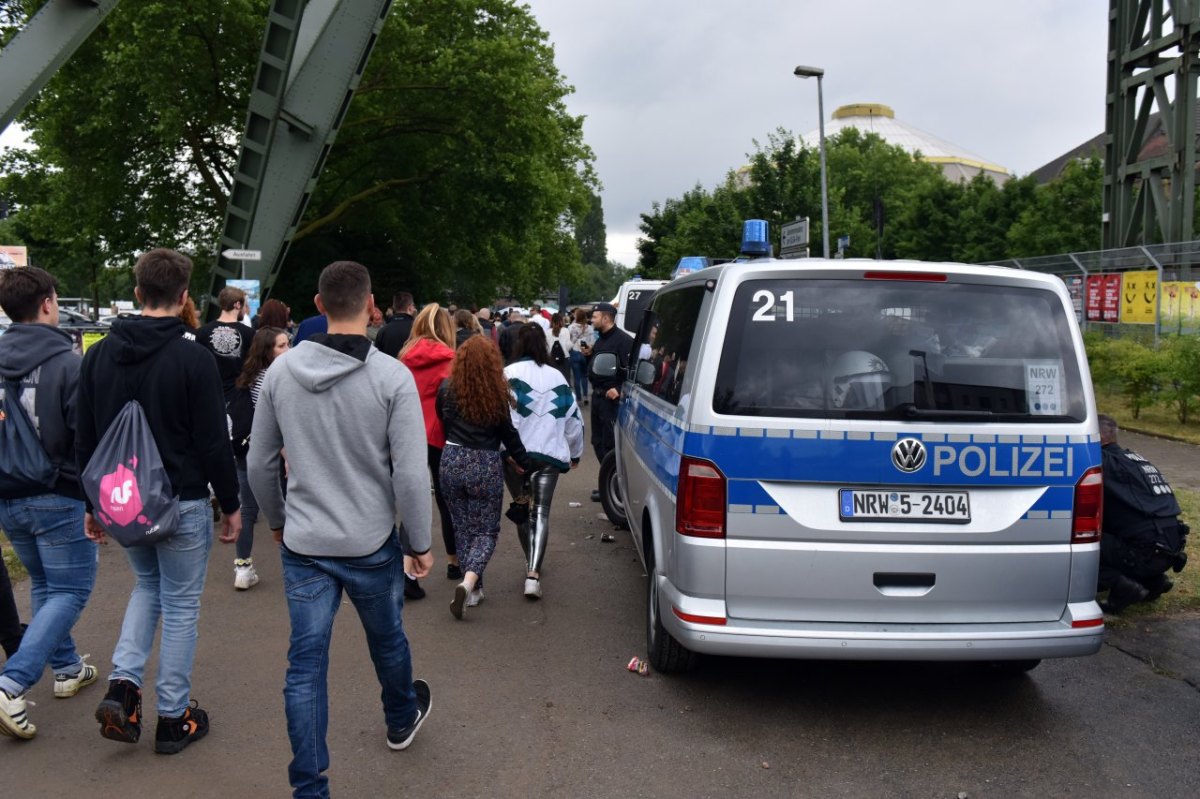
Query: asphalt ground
{"x": 533, "y": 699}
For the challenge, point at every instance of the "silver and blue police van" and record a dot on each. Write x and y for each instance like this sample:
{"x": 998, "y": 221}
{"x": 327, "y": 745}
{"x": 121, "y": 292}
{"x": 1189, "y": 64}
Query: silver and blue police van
{"x": 862, "y": 460}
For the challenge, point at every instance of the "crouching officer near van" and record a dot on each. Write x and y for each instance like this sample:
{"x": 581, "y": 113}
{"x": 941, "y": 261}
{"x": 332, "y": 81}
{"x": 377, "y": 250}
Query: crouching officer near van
{"x": 606, "y": 391}
{"x": 1143, "y": 536}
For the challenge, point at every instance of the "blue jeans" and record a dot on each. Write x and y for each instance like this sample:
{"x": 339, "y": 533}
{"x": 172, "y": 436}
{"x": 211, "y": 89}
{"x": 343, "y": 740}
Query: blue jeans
{"x": 245, "y": 543}
{"x": 47, "y": 533}
{"x": 579, "y": 370}
{"x": 169, "y": 580}
{"x": 375, "y": 584}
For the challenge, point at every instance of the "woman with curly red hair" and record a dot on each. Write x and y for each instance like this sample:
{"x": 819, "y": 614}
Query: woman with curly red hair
{"x": 473, "y": 405}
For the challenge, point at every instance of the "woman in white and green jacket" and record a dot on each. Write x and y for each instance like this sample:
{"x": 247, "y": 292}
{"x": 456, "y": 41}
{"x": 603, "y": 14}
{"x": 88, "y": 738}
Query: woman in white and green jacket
{"x": 551, "y": 427}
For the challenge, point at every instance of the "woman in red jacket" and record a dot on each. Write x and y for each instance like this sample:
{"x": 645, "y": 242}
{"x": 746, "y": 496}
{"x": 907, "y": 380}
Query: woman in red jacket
{"x": 428, "y": 354}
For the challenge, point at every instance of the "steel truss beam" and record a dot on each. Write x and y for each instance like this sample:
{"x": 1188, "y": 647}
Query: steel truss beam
{"x": 312, "y": 59}
{"x": 42, "y": 46}
{"x": 1153, "y": 61}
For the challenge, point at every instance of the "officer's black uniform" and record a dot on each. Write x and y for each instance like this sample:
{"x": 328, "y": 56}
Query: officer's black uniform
{"x": 604, "y": 410}
{"x": 1143, "y": 536}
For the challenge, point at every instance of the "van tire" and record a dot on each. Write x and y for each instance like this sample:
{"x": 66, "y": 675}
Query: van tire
{"x": 665, "y": 654}
{"x": 610, "y": 492}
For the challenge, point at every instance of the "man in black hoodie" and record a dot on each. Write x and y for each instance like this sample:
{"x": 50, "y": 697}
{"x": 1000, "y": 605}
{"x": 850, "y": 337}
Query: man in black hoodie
{"x": 44, "y": 523}
{"x": 175, "y": 380}
{"x": 394, "y": 334}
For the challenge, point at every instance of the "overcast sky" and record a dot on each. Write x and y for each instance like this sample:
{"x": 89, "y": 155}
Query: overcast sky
{"x": 675, "y": 91}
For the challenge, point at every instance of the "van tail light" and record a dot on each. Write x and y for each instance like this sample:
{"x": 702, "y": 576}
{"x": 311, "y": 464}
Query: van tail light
{"x": 1088, "y": 515}
{"x": 700, "y": 500}
{"x": 692, "y": 618}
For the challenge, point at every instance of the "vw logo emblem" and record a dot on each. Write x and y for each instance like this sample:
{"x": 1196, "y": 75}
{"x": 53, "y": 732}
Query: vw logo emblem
{"x": 908, "y": 455}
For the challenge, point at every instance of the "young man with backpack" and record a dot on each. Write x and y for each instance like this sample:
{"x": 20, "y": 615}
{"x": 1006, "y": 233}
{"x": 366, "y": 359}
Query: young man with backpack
{"x": 41, "y": 505}
{"x": 352, "y": 475}
{"x": 147, "y": 358}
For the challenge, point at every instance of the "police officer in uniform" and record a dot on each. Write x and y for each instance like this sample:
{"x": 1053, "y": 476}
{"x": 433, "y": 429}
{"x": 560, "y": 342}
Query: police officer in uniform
{"x": 606, "y": 391}
{"x": 1143, "y": 536}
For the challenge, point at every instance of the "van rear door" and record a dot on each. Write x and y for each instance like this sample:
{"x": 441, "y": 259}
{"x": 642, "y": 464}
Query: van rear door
{"x": 898, "y": 450}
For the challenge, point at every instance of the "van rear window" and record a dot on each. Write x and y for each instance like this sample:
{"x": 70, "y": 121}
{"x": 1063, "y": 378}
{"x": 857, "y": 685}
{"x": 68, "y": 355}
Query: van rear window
{"x": 889, "y": 350}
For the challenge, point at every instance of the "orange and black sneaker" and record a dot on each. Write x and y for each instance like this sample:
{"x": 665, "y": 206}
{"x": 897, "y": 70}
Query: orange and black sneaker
{"x": 175, "y": 733}
{"x": 120, "y": 713}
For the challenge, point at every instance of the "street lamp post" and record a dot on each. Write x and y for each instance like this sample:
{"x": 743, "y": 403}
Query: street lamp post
{"x": 818, "y": 73}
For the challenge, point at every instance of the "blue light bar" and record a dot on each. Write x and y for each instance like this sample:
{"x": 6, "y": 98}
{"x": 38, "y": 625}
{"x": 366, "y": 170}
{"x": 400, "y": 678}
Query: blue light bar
{"x": 756, "y": 240}
{"x": 691, "y": 263}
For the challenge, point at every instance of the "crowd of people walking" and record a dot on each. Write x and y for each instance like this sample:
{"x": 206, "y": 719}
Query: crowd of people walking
{"x": 430, "y": 402}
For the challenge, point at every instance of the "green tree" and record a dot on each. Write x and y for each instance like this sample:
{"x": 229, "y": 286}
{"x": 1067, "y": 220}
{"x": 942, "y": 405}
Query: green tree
{"x": 591, "y": 234}
{"x": 1064, "y": 215}
{"x": 458, "y": 169}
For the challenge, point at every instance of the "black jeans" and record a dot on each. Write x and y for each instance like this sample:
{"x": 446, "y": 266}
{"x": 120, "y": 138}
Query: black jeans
{"x": 604, "y": 425}
{"x": 435, "y": 469}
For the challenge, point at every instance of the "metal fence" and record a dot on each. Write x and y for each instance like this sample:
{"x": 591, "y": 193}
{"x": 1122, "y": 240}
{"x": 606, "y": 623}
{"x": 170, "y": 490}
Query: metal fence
{"x": 1135, "y": 291}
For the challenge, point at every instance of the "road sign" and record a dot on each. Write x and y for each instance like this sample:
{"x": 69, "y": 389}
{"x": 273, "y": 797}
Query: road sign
{"x": 794, "y": 238}
{"x": 242, "y": 255}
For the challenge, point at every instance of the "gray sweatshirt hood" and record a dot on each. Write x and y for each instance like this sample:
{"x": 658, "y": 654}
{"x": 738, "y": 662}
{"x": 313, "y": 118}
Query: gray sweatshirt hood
{"x": 318, "y": 368}
{"x": 25, "y": 347}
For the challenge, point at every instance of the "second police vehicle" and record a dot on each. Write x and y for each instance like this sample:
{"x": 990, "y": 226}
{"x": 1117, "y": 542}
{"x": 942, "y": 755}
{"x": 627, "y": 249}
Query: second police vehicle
{"x": 862, "y": 460}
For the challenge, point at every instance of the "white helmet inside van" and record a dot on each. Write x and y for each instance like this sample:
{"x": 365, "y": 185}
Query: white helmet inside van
{"x": 858, "y": 380}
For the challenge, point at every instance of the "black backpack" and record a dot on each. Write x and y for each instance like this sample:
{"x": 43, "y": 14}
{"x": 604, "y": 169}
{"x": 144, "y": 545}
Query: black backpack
{"x": 25, "y": 468}
{"x": 241, "y": 419}
{"x": 557, "y": 356}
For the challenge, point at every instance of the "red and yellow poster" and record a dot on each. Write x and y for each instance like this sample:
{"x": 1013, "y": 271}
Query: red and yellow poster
{"x": 1139, "y": 298}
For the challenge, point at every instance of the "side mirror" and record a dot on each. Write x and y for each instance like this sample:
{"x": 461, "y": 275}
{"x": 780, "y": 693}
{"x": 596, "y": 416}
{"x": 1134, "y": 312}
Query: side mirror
{"x": 604, "y": 365}
{"x": 645, "y": 374}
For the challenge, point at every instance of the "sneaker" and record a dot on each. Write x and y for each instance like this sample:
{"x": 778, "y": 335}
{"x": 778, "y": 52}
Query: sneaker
{"x": 175, "y": 733}
{"x": 454, "y": 572}
{"x": 13, "y": 720}
{"x": 459, "y": 603}
{"x": 120, "y": 712}
{"x": 244, "y": 575}
{"x": 533, "y": 588}
{"x": 412, "y": 588}
{"x": 475, "y": 597}
{"x": 400, "y": 739}
{"x": 67, "y": 685}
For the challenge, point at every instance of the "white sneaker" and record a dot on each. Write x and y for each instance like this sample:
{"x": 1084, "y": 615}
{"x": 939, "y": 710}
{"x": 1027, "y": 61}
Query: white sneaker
{"x": 13, "y": 720}
{"x": 458, "y": 605}
{"x": 244, "y": 575}
{"x": 533, "y": 588}
{"x": 67, "y": 685}
{"x": 475, "y": 597}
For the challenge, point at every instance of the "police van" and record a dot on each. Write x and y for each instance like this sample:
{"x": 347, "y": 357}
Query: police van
{"x": 632, "y": 299}
{"x": 862, "y": 460}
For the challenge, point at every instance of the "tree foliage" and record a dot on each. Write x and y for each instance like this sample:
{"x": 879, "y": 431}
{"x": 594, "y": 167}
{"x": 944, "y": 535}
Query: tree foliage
{"x": 457, "y": 172}
{"x": 890, "y": 204}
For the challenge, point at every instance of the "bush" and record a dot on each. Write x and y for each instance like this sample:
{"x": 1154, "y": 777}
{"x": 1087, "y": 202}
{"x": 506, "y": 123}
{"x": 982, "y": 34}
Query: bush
{"x": 1181, "y": 367}
{"x": 1140, "y": 370}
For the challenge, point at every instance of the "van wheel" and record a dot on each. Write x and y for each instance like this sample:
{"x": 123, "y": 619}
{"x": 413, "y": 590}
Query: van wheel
{"x": 1011, "y": 668}
{"x": 610, "y": 492}
{"x": 666, "y": 655}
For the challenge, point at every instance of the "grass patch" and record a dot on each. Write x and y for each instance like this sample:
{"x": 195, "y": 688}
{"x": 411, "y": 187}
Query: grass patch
{"x": 1185, "y": 596}
{"x": 16, "y": 572}
{"x": 1157, "y": 419}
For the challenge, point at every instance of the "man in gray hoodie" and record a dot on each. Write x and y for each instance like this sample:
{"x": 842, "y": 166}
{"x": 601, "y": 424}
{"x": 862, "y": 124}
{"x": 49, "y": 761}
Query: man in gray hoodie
{"x": 43, "y": 522}
{"x": 326, "y": 401}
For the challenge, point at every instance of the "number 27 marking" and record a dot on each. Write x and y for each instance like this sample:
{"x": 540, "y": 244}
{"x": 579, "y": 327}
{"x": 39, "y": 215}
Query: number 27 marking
{"x": 767, "y": 311}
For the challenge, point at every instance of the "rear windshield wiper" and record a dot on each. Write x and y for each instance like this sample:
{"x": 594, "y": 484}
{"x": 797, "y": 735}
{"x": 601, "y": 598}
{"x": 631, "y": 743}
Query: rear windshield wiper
{"x": 911, "y": 411}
